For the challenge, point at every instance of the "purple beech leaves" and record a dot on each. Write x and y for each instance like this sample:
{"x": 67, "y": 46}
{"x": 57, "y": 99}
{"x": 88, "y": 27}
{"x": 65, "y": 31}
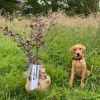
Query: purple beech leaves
{"x": 32, "y": 45}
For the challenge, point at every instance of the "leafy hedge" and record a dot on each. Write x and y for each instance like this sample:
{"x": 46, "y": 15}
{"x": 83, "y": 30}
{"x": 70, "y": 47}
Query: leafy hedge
{"x": 71, "y": 7}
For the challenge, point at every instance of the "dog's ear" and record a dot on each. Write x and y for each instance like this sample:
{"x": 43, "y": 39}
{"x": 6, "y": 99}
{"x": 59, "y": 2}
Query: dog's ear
{"x": 84, "y": 48}
{"x": 71, "y": 49}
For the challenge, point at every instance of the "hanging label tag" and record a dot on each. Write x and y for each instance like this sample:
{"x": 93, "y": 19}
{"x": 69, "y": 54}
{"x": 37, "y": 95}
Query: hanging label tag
{"x": 34, "y": 76}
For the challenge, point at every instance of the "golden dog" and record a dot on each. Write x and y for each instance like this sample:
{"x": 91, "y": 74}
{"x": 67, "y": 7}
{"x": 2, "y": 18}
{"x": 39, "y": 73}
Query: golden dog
{"x": 79, "y": 67}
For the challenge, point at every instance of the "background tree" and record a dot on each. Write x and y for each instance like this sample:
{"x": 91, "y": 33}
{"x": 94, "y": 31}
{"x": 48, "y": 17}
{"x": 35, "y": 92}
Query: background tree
{"x": 71, "y": 7}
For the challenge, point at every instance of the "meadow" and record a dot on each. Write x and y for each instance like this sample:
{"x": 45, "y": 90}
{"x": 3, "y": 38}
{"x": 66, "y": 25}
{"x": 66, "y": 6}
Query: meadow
{"x": 56, "y": 57}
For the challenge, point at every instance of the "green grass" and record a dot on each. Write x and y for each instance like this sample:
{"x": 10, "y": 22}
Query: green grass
{"x": 57, "y": 60}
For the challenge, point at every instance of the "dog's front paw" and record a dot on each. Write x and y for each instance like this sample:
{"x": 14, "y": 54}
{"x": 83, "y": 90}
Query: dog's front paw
{"x": 70, "y": 83}
{"x": 88, "y": 73}
{"x": 82, "y": 85}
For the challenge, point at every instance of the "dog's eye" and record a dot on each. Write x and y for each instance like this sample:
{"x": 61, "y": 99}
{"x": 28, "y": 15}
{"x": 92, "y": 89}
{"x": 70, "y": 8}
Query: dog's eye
{"x": 74, "y": 49}
{"x": 80, "y": 48}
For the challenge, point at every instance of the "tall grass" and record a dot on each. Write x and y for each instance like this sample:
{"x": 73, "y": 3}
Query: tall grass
{"x": 57, "y": 60}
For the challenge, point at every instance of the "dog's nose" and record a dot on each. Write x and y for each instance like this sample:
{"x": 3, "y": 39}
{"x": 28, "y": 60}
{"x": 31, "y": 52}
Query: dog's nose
{"x": 78, "y": 54}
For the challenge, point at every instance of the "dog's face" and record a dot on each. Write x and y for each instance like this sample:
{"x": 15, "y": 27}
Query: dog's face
{"x": 78, "y": 50}
{"x": 42, "y": 74}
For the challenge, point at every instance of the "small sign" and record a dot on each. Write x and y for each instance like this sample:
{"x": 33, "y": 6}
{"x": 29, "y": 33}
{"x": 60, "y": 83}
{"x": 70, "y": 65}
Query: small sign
{"x": 34, "y": 76}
